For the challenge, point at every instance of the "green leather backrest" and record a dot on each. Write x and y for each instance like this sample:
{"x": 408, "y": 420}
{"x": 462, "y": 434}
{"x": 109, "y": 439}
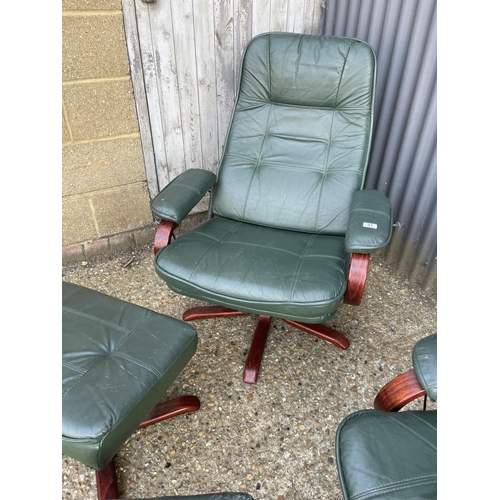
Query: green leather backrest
{"x": 299, "y": 140}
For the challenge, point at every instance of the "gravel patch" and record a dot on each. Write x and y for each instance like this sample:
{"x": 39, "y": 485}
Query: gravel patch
{"x": 274, "y": 439}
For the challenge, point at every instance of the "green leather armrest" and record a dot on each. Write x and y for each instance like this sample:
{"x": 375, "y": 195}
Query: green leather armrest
{"x": 181, "y": 195}
{"x": 370, "y": 222}
{"x": 424, "y": 358}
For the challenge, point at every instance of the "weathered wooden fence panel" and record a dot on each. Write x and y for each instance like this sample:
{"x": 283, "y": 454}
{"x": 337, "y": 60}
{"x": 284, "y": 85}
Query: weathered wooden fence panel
{"x": 187, "y": 59}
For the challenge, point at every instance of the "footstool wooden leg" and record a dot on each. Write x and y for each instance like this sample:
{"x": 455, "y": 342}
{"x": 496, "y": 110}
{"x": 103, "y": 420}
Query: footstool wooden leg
{"x": 107, "y": 487}
{"x": 169, "y": 409}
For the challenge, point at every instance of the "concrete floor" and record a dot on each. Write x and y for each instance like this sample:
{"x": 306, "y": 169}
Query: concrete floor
{"x": 274, "y": 439}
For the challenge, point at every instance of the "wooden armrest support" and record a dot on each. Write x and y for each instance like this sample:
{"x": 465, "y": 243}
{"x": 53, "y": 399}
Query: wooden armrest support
{"x": 163, "y": 235}
{"x": 400, "y": 391}
{"x": 356, "y": 279}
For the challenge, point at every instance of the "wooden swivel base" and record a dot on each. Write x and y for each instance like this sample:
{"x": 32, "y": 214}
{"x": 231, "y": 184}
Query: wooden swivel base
{"x": 254, "y": 357}
{"x": 106, "y": 478}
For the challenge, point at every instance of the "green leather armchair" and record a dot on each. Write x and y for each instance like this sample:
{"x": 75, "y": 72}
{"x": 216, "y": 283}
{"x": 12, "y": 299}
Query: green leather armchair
{"x": 387, "y": 454}
{"x": 290, "y": 228}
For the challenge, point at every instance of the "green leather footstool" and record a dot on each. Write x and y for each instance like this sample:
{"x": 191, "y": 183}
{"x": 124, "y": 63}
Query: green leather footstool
{"x": 118, "y": 359}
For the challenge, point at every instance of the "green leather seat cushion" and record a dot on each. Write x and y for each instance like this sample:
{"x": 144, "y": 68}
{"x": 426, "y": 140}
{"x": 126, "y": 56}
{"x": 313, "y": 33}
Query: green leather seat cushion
{"x": 258, "y": 269}
{"x": 424, "y": 358}
{"x": 390, "y": 456}
{"x": 118, "y": 359}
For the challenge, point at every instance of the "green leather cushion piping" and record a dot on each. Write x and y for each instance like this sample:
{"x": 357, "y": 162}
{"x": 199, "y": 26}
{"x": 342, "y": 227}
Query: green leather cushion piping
{"x": 424, "y": 359}
{"x": 258, "y": 269}
{"x": 299, "y": 139}
{"x": 118, "y": 359}
{"x": 370, "y": 222}
{"x": 389, "y": 456}
{"x": 180, "y": 196}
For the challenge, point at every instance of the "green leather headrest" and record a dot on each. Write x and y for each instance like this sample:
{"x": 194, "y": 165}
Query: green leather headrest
{"x": 299, "y": 140}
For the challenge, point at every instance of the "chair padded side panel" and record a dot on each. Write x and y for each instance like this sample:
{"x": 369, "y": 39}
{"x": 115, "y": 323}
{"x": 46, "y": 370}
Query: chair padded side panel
{"x": 257, "y": 269}
{"x": 118, "y": 359}
{"x": 299, "y": 140}
{"x": 390, "y": 456}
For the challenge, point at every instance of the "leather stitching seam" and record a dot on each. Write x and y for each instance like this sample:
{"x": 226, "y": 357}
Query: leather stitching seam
{"x": 370, "y": 210}
{"x": 421, "y": 480}
{"x": 257, "y": 164}
{"x": 225, "y": 235}
{"x": 148, "y": 314}
{"x": 299, "y": 265}
{"x": 325, "y": 171}
{"x": 138, "y": 362}
{"x": 326, "y": 256}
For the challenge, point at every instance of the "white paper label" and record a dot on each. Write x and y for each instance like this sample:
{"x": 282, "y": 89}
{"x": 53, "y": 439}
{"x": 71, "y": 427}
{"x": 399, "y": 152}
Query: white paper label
{"x": 370, "y": 225}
